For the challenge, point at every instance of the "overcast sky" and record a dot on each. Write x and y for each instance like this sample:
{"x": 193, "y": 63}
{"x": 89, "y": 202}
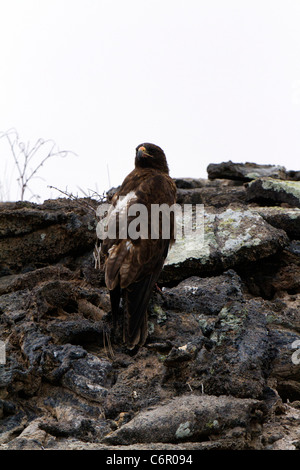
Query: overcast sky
{"x": 207, "y": 80}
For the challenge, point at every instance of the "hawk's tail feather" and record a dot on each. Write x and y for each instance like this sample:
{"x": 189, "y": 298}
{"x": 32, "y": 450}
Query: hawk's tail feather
{"x": 115, "y": 297}
{"x": 135, "y": 326}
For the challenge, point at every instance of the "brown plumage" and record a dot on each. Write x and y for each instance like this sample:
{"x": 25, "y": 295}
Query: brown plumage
{"x": 132, "y": 266}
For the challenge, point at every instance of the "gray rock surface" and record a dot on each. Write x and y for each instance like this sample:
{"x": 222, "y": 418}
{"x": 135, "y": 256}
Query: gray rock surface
{"x": 220, "y": 368}
{"x": 284, "y": 218}
{"x": 33, "y": 235}
{"x": 189, "y": 418}
{"x": 230, "y": 237}
{"x": 273, "y": 192}
{"x": 244, "y": 171}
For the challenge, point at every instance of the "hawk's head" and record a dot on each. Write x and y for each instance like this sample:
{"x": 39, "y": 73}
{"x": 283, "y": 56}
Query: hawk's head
{"x": 151, "y": 156}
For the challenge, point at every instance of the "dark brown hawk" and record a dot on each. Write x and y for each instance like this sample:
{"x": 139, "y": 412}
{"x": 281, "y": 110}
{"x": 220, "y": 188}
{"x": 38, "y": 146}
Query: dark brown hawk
{"x": 133, "y": 264}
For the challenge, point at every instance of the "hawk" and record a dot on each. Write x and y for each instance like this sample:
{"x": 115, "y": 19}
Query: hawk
{"x": 133, "y": 262}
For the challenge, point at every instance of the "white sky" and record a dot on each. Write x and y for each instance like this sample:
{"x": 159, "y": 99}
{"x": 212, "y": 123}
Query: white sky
{"x": 207, "y": 80}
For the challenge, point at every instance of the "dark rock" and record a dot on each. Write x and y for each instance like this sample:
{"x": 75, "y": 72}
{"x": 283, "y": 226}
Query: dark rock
{"x": 164, "y": 325}
{"x": 287, "y": 219}
{"x": 217, "y": 184}
{"x": 33, "y": 342}
{"x": 190, "y": 418}
{"x": 57, "y": 360}
{"x": 189, "y": 196}
{"x": 81, "y": 428}
{"x": 136, "y": 386}
{"x": 293, "y": 175}
{"x": 6, "y": 408}
{"x": 268, "y": 191}
{"x": 294, "y": 247}
{"x": 17, "y": 282}
{"x": 241, "y": 355}
{"x": 34, "y": 235}
{"x": 181, "y": 354}
{"x": 190, "y": 183}
{"x": 244, "y": 171}
{"x": 228, "y": 238}
{"x": 12, "y": 306}
{"x": 286, "y": 365}
{"x": 11, "y": 426}
{"x": 223, "y": 196}
{"x": 219, "y": 196}
{"x": 220, "y": 367}
{"x": 78, "y": 331}
{"x": 273, "y": 276}
{"x": 66, "y": 405}
{"x": 206, "y": 296}
{"x": 89, "y": 377}
{"x": 51, "y": 297}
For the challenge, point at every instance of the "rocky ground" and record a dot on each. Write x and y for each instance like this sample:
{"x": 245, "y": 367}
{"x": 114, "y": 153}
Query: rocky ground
{"x": 221, "y": 365}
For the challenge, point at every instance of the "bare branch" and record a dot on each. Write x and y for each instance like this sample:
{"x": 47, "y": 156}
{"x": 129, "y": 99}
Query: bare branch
{"x": 22, "y": 155}
{"x": 75, "y": 198}
{"x": 94, "y": 195}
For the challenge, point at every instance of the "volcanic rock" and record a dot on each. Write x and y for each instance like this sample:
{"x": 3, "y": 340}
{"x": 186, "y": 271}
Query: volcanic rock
{"x": 189, "y": 418}
{"x": 225, "y": 239}
{"x": 244, "y": 171}
{"x": 269, "y": 191}
{"x": 220, "y": 368}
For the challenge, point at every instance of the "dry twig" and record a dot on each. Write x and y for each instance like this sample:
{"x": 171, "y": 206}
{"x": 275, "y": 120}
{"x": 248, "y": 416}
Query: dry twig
{"x": 23, "y": 156}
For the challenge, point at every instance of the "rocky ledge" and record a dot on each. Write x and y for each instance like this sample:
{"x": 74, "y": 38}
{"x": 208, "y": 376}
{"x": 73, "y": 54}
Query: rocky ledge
{"x": 221, "y": 365}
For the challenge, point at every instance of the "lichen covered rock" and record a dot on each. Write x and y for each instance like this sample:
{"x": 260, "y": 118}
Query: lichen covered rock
{"x": 245, "y": 171}
{"x": 229, "y": 238}
{"x": 220, "y": 368}
{"x": 272, "y": 191}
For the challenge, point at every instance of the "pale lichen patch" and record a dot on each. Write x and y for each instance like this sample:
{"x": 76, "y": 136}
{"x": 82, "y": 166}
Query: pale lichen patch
{"x": 183, "y": 430}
